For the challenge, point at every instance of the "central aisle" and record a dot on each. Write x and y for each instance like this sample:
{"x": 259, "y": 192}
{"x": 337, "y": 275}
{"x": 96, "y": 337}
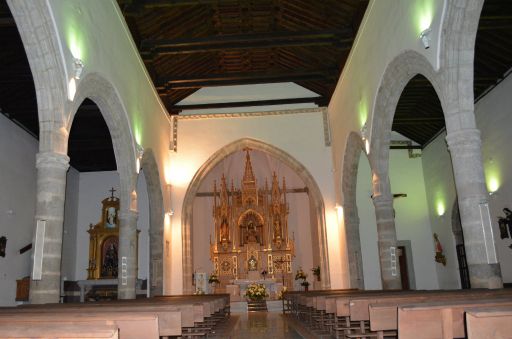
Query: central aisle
{"x": 259, "y": 325}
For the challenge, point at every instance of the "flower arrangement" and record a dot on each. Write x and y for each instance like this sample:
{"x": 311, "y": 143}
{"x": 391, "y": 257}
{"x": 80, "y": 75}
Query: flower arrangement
{"x": 300, "y": 275}
{"x": 256, "y": 292}
{"x": 213, "y": 279}
{"x": 316, "y": 272}
{"x": 281, "y": 293}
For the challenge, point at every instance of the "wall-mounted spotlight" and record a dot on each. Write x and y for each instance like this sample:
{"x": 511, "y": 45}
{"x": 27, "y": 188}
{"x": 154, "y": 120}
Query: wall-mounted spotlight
{"x": 140, "y": 151}
{"x": 425, "y": 37}
{"x": 170, "y": 211}
{"x": 78, "y": 67}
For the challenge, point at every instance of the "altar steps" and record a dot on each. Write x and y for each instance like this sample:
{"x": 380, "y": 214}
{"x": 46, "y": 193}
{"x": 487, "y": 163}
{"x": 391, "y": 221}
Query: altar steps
{"x": 257, "y": 306}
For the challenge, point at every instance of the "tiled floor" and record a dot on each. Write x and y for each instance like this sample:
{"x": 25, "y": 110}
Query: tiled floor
{"x": 268, "y": 325}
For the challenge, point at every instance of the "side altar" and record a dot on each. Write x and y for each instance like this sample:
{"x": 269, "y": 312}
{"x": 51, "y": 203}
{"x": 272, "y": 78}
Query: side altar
{"x": 250, "y": 231}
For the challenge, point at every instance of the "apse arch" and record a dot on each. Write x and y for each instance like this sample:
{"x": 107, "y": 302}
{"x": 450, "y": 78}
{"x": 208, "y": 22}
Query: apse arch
{"x": 238, "y": 145}
{"x": 156, "y": 221}
{"x": 396, "y": 76}
{"x": 353, "y": 150}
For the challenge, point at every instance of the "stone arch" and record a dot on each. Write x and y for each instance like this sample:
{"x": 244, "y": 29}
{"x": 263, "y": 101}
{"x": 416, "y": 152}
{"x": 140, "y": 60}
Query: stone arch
{"x": 40, "y": 40}
{"x": 302, "y": 172}
{"x": 397, "y": 75}
{"x": 353, "y": 149}
{"x": 105, "y": 96}
{"x": 457, "y": 57}
{"x": 156, "y": 221}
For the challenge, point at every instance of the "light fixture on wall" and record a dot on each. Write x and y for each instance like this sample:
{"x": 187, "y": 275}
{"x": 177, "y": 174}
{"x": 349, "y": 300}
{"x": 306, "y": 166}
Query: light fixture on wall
{"x": 339, "y": 212}
{"x": 78, "y": 67}
{"x": 365, "y": 137}
{"x": 425, "y": 37}
{"x": 139, "y": 154}
{"x": 170, "y": 211}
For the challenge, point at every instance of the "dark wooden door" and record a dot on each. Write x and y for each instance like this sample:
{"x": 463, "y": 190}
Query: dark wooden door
{"x": 402, "y": 261}
{"x": 463, "y": 267}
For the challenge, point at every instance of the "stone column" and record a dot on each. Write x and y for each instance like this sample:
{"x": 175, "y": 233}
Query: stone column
{"x": 386, "y": 232}
{"x": 128, "y": 266}
{"x": 465, "y": 150}
{"x": 51, "y": 191}
{"x": 355, "y": 260}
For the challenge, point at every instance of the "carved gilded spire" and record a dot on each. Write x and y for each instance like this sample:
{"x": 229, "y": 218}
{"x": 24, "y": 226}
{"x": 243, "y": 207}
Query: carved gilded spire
{"x": 249, "y": 190}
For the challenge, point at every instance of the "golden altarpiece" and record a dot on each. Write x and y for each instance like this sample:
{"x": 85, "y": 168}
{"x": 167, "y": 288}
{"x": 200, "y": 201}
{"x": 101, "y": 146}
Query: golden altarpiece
{"x": 251, "y": 230}
{"x": 104, "y": 241}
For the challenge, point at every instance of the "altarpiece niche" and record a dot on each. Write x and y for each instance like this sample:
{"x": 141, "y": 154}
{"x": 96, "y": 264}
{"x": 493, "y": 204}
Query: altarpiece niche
{"x": 104, "y": 241}
{"x": 250, "y": 230}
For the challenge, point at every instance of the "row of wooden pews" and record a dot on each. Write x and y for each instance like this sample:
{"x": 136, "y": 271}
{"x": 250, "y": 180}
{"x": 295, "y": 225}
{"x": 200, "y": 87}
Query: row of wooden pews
{"x": 406, "y": 314}
{"x": 183, "y": 316}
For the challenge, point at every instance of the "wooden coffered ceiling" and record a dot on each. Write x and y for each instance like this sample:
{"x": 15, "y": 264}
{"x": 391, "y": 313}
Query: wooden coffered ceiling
{"x": 191, "y": 44}
{"x": 187, "y": 45}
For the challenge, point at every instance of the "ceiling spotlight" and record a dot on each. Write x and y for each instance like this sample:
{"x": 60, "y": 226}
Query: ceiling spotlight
{"x": 78, "y": 67}
{"x": 425, "y": 38}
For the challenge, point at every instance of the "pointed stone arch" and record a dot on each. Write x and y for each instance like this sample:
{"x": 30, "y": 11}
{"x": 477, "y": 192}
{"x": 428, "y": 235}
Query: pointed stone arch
{"x": 156, "y": 221}
{"x": 397, "y": 75}
{"x": 40, "y": 40}
{"x": 353, "y": 150}
{"x": 96, "y": 88}
{"x": 314, "y": 191}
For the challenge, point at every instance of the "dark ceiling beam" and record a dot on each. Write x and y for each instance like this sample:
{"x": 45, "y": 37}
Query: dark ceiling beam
{"x": 418, "y": 121}
{"x": 228, "y": 79}
{"x": 152, "y": 48}
{"x": 320, "y": 101}
{"x": 133, "y": 7}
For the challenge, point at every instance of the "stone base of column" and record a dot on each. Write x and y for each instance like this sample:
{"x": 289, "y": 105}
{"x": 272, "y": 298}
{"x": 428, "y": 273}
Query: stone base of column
{"x": 392, "y": 284}
{"x": 485, "y": 276}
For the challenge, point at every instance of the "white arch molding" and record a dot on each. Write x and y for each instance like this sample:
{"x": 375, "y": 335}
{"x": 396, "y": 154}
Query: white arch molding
{"x": 315, "y": 195}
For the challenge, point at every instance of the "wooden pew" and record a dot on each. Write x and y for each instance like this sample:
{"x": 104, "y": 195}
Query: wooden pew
{"x": 489, "y": 323}
{"x": 199, "y": 314}
{"x": 168, "y": 314}
{"x": 443, "y": 319}
{"x": 131, "y": 325}
{"x": 57, "y": 330}
{"x": 383, "y": 313}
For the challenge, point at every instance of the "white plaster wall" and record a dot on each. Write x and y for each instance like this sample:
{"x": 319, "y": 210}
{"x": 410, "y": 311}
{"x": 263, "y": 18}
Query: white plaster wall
{"x": 301, "y": 135}
{"x": 96, "y": 32}
{"x": 17, "y": 204}
{"x": 93, "y": 188}
{"x": 69, "y": 235}
{"x": 494, "y": 118}
{"x": 440, "y": 188}
{"x": 411, "y": 219}
{"x": 388, "y": 29}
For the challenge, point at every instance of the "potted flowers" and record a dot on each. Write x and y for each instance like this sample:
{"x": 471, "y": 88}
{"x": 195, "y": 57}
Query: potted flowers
{"x": 213, "y": 279}
{"x": 256, "y": 292}
{"x": 316, "y": 272}
{"x": 300, "y": 275}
